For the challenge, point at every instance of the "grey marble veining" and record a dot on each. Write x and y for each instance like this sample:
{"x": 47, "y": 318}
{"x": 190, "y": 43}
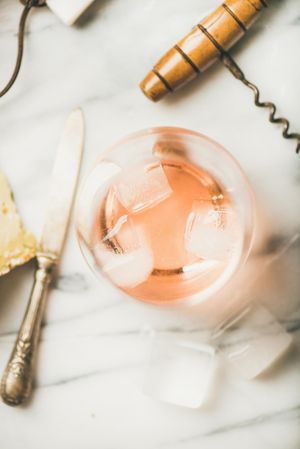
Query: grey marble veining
{"x": 94, "y": 342}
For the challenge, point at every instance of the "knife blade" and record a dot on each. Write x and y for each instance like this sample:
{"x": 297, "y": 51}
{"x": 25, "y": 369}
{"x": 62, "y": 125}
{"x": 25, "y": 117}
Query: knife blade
{"x": 16, "y": 383}
{"x": 64, "y": 180}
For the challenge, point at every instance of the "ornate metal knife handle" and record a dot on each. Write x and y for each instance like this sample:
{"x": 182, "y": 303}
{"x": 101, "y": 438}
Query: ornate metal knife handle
{"x": 16, "y": 383}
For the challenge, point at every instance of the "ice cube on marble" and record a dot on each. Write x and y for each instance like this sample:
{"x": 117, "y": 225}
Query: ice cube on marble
{"x": 179, "y": 372}
{"x": 128, "y": 260}
{"x": 253, "y": 341}
{"x": 210, "y": 233}
{"x": 143, "y": 188}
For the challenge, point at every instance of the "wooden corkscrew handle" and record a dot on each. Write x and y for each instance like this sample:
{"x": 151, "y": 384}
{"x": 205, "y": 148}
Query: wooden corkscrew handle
{"x": 201, "y": 47}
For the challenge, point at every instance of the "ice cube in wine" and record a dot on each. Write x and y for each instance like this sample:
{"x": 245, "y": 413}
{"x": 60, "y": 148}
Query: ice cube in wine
{"x": 166, "y": 230}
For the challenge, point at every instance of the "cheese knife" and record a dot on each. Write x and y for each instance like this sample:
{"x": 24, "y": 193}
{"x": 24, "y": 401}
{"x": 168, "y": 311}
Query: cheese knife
{"x": 16, "y": 383}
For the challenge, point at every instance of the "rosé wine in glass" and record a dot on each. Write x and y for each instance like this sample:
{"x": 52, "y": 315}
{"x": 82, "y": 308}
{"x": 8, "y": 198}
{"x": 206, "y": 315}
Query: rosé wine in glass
{"x": 166, "y": 216}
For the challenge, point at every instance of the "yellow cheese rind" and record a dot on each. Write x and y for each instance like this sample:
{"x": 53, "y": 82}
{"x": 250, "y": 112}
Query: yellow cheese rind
{"x": 17, "y": 245}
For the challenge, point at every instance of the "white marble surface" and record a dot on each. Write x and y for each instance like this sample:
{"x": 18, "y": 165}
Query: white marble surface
{"x": 92, "y": 347}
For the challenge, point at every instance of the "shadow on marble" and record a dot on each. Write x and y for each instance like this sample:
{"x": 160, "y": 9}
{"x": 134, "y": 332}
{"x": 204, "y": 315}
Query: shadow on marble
{"x": 91, "y": 13}
{"x": 14, "y": 293}
{"x": 275, "y": 370}
{"x": 199, "y": 83}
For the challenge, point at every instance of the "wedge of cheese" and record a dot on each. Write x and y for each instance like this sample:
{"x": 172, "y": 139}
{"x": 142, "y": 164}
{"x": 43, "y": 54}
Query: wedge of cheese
{"x": 17, "y": 246}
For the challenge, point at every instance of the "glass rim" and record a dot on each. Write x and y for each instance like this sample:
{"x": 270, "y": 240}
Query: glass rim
{"x": 238, "y": 262}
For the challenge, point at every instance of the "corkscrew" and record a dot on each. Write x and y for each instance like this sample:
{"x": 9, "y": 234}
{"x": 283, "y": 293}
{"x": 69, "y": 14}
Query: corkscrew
{"x": 209, "y": 41}
{"x": 28, "y": 6}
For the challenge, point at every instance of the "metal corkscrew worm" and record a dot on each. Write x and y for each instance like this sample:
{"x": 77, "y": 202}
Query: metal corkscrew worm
{"x": 236, "y": 71}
